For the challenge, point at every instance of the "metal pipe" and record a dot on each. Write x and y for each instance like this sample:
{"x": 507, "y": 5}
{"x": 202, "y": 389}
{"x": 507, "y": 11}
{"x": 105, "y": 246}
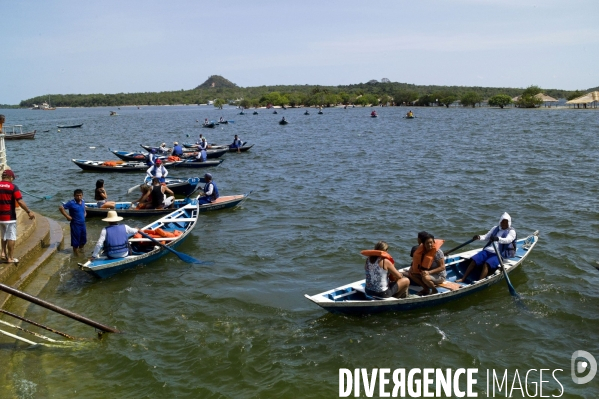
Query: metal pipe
{"x": 57, "y": 309}
{"x": 35, "y": 324}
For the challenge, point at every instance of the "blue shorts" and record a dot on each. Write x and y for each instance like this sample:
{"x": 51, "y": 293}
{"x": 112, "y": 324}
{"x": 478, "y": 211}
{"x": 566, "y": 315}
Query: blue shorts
{"x": 78, "y": 235}
{"x": 490, "y": 258}
{"x": 204, "y": 200}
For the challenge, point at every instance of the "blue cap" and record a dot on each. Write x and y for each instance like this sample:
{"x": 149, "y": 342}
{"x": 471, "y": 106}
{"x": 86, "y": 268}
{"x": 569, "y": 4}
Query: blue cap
{"x": 153, "y": 150}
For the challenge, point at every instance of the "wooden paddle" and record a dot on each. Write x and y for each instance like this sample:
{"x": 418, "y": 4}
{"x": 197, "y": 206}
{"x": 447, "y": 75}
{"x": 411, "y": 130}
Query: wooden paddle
{"x": 458, "y": 247}
{"x": 184, "y": 257}
{"x": 507, "y": 279}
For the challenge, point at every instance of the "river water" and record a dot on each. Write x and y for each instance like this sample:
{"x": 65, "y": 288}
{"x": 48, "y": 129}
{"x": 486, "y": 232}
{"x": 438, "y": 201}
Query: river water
{"x": 324, "y": 188}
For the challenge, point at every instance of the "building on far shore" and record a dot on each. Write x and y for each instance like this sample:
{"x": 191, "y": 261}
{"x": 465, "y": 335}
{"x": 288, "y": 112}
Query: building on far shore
{"x": 589, "y": 98}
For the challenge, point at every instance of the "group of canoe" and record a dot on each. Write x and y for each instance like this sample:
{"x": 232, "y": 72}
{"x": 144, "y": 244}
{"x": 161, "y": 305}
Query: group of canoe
{"x": 174, "y": 223}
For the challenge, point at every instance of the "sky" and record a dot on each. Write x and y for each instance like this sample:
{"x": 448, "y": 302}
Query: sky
{"x": 83, "y": 47}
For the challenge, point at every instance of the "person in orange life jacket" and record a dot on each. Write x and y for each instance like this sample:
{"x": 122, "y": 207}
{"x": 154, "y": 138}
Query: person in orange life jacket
{"x": 157, "y": 170}
{"x": 177, "y": 150}
{"x": 382, "y": 278}
{"x": 114, "y": 238}
{"x": 421, "y": 236}
{"x": 428, "y": 265}
{"x": 10, "y": 195}
{"x": 101, "y": 197}
{"x": 158, "y": 195}
{"x": 210, "y": 191}
{"x": 505, "y": 236}
{"x": 151, "y": 160}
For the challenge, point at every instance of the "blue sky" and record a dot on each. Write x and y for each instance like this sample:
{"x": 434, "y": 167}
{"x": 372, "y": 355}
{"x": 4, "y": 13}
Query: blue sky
{"x": 59, "y": 47}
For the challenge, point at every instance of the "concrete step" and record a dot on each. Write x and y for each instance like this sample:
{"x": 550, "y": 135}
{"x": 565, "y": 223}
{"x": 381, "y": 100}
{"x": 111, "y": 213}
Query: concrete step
{"x": 32, "y": 252}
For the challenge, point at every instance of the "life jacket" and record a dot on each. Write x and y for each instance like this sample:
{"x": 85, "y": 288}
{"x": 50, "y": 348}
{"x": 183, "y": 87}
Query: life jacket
{"x": 506, "y": 250}
{"x": 157, "y": 234}
{"x": 377, "y": 253}
{"x": 214, "y": 194}
{"x": 151, "y": 159}
{"x": 424, "y": 260}
{"x": 154, "y": 171}
{"x": 116, "y": 240}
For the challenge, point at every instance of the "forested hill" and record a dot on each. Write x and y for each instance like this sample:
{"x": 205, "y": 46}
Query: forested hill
{"x": 223, "y": 91}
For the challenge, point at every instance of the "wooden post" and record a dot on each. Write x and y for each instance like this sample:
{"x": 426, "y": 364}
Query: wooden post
{"x": 3, "y": 164}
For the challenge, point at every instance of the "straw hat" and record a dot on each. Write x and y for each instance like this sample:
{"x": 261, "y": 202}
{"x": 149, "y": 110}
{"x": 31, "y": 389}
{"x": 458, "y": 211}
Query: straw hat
{"x": 112, "y": 217}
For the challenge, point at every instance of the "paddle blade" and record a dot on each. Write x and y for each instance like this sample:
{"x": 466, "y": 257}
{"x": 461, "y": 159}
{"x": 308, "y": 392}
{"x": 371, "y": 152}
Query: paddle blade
{"x": 132, "y": 189}
{"x": 190, "y": 259}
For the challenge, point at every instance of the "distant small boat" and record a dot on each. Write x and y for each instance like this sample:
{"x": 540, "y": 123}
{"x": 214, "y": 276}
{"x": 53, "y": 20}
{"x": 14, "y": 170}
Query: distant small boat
{"x": 283, "y": 122}
{"x": 242, "y": 113}
{"x": 210, "y": 125}
{"x": 255, "y": 113}
{"x": 112, "y": 113}
{"x": 69, "y": 126}
{"x": 306, "y": 113}
{"x": 17, "y": 133}
{"x": 275, "y": 112}
{"x": 320, "y": 112}
{"x": 374, "y": 116}
{"x": 223, "y": 122}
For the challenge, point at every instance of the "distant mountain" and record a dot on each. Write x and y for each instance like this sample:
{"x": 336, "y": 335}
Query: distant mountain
{"x": 216, "y": 81}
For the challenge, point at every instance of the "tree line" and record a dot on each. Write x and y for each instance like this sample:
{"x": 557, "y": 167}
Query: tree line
{"x": 370, "y": 93}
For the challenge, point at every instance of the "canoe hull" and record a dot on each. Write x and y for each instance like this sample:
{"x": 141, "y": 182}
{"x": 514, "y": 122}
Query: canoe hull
{"x": 104, "y": 267}
{"x": 122, "y": 166}
{"x": 20, "y": 136}
{"x": 227, "y": 202}
{"x": 350, "y": 299}
{"x": 196, "y": 164}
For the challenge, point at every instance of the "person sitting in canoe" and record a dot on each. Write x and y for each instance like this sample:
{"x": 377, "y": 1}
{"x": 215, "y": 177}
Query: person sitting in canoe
{"x": 177, "y": 150}
{"x": 210, "y": 191}
{"x": 410, "y": 114}
{"x": 101, "y": 197}
{"x": 206, "y": 122}
{"x": 157, "y": 170}
{"x": 221, "y": 119}
{"x": 163, "y": 149}
{"x": 203, "y": 144}
{"x": 199, "y": 139}
{"x": 160, "y": 196}
{"x": 373, "y": 113}
{"x": 151, "y": 157}
{"x": 202, "y": 155}
{"x": 114, "y": 238}
{"x": 486, "y": 260}
{"x": 237, "y": 143}
{"x": 383, "y": 280}
{"x": 428, "y": 265}
{"x": 144, "y": 201}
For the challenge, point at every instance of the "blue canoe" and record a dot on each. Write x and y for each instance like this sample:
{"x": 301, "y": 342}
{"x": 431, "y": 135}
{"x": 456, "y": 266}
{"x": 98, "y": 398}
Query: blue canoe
{"x": 351, "y": 298}
{"x": 128, "y": 208}
{"x": 183, "y": 220}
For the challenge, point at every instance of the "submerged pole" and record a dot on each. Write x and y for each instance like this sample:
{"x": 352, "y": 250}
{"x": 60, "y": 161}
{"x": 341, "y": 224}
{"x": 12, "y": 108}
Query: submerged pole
{"x": 57, "y": 309}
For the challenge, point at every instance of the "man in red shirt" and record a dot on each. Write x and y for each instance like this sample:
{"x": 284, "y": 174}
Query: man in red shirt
{"x": 9, "y": 196}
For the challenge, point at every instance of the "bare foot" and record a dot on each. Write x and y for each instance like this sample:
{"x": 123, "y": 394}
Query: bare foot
{"x": 434, "y": 291}
{"x": 460, "y": 280}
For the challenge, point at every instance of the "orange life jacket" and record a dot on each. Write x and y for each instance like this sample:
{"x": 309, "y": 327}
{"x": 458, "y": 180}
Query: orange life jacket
{"x": 376, "y": 252}
{"x": 424, "y": 260}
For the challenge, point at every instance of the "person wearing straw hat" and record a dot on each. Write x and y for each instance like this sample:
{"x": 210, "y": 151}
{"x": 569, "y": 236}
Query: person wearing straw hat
{"x": 9, "y": 197}
{"x": 163, "y": 149}
{"x": 114, "y": 238}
